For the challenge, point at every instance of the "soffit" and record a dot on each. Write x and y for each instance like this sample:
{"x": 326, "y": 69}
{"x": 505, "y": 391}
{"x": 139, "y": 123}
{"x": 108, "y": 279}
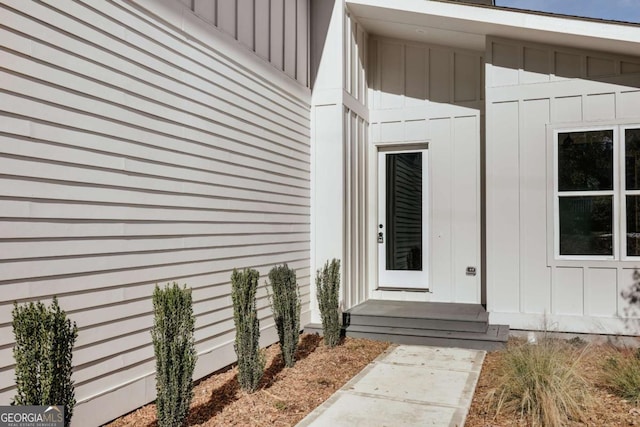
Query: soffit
{"x": 467, "y": 26}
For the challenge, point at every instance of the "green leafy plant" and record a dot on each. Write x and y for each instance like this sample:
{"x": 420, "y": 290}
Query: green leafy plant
{"x": 285, "y": 303}
{"x": 43, "y": 353}
{"x": 251, "y": 361}
{"x": 328, "y": 289}
{"x": 621, "y": 372}
{"x": 175, "y": 352}
{"x": 542, "y": 382}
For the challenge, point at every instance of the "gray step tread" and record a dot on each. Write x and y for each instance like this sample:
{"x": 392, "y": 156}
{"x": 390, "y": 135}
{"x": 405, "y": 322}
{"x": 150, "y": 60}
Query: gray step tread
{"x": 409, "y": 322}
{"x": 443, "y": 339}
{"x": 494, "y": 332}
{"x": 421, "y": 310}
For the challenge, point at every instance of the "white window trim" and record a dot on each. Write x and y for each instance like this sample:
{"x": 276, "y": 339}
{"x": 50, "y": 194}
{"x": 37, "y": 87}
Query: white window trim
{"x": 624, "y": 192}
{"x": 619, "y": 194}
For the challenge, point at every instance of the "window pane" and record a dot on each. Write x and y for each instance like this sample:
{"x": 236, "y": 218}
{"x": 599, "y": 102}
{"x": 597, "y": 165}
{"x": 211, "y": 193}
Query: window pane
{"x": 404, "y": 211}
{"x": 632, "y": 159}
{"x": 585, "y": 225}
{"x": 585, "y": 161}
{"x": 633, "y": 225}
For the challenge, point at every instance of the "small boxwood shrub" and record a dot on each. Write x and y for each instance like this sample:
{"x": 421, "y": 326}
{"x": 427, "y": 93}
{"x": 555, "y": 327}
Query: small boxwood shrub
{"x": 43, "y": 353}
{"x": 328, "y": 290}
{"x": 174, "y": 348}
{"x": 285, "y": 303}
{"x": 251, "y": 361}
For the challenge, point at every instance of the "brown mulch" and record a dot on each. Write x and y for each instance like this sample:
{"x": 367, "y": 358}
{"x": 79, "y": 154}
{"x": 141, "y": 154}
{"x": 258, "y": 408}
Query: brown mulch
{"x": 285, "y": 396}
{"x": 608, "y": 410}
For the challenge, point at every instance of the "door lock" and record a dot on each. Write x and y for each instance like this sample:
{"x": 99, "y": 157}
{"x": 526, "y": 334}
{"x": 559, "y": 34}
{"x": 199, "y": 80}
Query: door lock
{"x": 380, "y": 237}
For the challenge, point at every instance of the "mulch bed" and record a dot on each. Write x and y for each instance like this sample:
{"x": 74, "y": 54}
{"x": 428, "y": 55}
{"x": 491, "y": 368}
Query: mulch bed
{"x": 285, "y": 396}
{"x": 609, "y": 409}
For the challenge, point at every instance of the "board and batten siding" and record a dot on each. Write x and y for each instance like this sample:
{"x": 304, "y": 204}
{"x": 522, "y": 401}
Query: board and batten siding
{"x": 530, "y": 89}
{"x": 356, "y": 236}
{"x": 141, "y": 146}
{"x": 355, "y": 141}
{"x": 340, "y": 139}
{"x": 433, "y": 94}
{"x": 355, "y": 49}
{"x": 276, "y": 30}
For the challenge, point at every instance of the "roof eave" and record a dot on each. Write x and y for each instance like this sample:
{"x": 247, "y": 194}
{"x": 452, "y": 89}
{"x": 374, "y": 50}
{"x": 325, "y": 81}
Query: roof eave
{"x": 506, "y": 23}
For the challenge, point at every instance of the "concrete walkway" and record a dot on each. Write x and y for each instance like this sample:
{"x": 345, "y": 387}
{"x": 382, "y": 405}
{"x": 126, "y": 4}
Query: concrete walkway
{"x": 405, "y": 386}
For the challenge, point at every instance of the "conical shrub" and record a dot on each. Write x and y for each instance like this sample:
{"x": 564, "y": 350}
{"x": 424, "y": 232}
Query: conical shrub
{"x": 43, "y": 353}
{"x": 251, "y": 361}
{"x": 285, "y": 303}
{"x": 328, "y": 290}
{"x": 175, "y": 352}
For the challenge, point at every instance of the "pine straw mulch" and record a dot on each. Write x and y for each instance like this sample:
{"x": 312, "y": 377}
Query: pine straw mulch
{"x": 285, "y": 396}
{"x": 609, "y": 409}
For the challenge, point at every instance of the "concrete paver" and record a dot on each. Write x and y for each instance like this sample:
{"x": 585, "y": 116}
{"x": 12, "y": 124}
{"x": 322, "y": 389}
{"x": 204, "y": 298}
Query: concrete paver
{"x": 405, "y": 386}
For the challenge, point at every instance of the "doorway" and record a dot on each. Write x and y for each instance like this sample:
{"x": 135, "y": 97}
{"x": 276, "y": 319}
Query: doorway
{"x": 403, "y": 219}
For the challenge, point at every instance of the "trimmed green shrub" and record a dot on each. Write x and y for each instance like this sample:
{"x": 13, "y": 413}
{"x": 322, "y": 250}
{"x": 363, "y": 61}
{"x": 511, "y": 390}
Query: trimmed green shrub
{"x": 328, "y": 287}
{"x": 285, "y": 303}
{"x": 251, "y": 360}
{"x": 542, "y": 383}
{"x": 174, "y": 347}
{"x": 43, "y": 353}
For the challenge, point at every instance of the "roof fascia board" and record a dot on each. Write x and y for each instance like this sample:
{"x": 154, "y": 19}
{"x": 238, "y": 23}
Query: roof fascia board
{"x": 487, "y": 18}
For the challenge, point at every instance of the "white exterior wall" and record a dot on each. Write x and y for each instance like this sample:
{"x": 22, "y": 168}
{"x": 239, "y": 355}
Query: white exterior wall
{"x": 356, "y": 137}
{"x": 358, "y": 235}
{"x": 530, "y": 90}
{"x": 276, "y": 30}
{"x": 433, "y": 94}
{"x": 339, "y": 138}
{"x": 139, "y": 145}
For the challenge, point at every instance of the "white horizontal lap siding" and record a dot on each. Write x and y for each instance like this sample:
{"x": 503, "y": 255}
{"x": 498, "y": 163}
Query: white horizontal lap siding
{"x": 529, "y": 88}
{"x": 133, "y": 152}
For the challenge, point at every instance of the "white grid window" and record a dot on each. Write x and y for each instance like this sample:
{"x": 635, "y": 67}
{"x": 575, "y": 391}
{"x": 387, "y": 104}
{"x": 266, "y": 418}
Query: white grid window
{"x": 597, "y": 192}
{"x": 631, "y": 182}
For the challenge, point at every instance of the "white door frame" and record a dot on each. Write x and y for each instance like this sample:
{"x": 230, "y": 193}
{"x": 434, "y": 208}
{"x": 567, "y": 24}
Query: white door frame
{"x": 402, "y": 279}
